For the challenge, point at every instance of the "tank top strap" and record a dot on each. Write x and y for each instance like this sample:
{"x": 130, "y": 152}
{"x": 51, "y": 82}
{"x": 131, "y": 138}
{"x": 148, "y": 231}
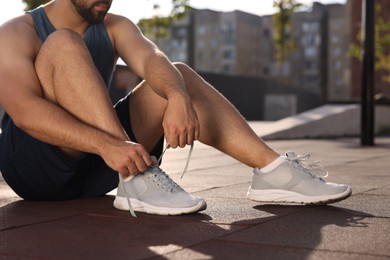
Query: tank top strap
{"x": 42, "y": 23}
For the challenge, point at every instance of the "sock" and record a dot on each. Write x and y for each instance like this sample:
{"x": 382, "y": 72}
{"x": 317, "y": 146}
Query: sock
{"x": 273, "y": 165}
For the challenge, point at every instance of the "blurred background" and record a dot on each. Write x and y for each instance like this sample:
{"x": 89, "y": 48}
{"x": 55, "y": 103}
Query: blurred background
{"x": 271, "y": 59}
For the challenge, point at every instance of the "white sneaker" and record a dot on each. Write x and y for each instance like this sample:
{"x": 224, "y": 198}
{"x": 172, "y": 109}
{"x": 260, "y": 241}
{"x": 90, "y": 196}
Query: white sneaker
{"x": 287, "y": 180}
{"x": 154, "y": 192}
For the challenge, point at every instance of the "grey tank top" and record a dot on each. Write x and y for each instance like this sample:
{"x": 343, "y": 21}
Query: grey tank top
{"x": 96, "y": 38}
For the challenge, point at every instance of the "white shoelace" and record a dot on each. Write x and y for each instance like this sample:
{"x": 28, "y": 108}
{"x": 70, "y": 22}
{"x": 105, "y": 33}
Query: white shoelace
{"x": 163, "y": 179}
{"x": 187, "y": 162}
{"x": 167, "y": 182}
{"x": 309, "y": 166}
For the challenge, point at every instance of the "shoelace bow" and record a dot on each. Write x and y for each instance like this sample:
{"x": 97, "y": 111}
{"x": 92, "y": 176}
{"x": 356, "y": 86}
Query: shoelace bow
{"x": 309, "y": 166}
{"x": 168, "y": 183}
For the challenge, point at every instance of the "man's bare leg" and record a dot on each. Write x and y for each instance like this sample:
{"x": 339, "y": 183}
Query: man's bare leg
{"x": 69, "y": 78}
{"x": 84, "y": 95}
{"x": 221, "y": 125}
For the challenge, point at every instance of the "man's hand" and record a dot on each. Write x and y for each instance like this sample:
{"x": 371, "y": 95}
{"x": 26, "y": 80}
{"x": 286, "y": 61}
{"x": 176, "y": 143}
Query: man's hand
{"x": 127, "y": 158}
{"x": 181, "y": 126}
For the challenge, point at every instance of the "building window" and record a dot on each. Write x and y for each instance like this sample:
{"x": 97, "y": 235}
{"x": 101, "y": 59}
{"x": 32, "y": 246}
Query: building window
{"x": 227, "y": 68}
{"x": 228, "y": 29}
{"x": 310, "y": 26}
{"x": 311, "y": 65}
{"x": 336, "y": 65}
{"x": 310, "y": 52}
{"x": 309, "y": 40}
{"x": 200, "y": 44}
{"x": 201, "y": 29}
{"x": 336, "y": 52}
{"x": 180, "y": 32}
{"x": 214, "y": 43}
{"x": 335, "y": 38}
{"x": 228, "y": 54}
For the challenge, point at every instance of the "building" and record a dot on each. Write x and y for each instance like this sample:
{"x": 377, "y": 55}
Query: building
{"x": 338, "y": 86}
{"x": 241, "y": 44}
{"x": 227, "y": 42}
{"x": 318, "y": 63}
{"x": 354, "y": 16}
{"x": 216, "y": 42}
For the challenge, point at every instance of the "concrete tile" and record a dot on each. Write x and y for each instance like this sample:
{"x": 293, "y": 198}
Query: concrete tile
{"x": 210, "y": 179}
{"x": 202, "y": 157}
{"x": 237, "y": 191}
{"x": 231, "y": 227}
{"x": 7, "y": 195}
{"x": 217, "y": 249}
{"x": 384, "y": 190}
{"x": 375, "y": 205}
{"x": 243, "y": 211}
{"x": 20, "y": 212}
{"x": 333, "y": 151}
{"x": 224, "y": 211}
{"x": 6, "y": 192}
{"x": 322, "y": 228}
{"x": 105, "y": 237}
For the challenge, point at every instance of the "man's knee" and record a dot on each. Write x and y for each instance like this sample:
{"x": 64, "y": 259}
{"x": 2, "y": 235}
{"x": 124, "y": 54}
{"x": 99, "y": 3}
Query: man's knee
{"x": 61, "y": 42}
{"x": 56, "y": 51}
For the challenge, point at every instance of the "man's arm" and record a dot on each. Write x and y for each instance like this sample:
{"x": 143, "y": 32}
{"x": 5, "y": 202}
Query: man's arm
{"x": 21, "y": 97}
{"x": 180, "y": 124}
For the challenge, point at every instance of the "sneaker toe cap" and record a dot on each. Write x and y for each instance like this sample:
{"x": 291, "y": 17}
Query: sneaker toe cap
{"x": 180, "y": 199}
{"x": 320, "y": 188}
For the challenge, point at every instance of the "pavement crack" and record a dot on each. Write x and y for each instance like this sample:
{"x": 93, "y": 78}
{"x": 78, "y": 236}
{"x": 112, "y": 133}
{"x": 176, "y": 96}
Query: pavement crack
{"x": 38, "y": 223}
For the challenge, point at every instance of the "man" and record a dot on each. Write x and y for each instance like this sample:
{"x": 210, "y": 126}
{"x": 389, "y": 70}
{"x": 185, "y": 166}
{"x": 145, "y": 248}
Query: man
{"x": 62, "y": 139}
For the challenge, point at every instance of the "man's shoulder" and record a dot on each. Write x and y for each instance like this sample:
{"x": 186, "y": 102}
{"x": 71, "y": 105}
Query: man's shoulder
{"x": 113, "y": 21}
{"x": 18, "y": 32}
{"x": 119, "y": 26}
{"x": 22, "y": 26}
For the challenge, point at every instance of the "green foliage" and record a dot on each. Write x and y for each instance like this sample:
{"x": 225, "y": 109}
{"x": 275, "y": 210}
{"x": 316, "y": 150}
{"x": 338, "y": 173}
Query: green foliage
{"x": 382, "y": 44}
{"x": 32, "y": 4}
{"x": 281, "y": 22}
{"x": 158, "y": 26}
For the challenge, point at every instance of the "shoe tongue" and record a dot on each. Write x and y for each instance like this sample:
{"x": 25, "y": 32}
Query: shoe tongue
{"x": 290, "y": 154}
{"x": 154, "y": 159}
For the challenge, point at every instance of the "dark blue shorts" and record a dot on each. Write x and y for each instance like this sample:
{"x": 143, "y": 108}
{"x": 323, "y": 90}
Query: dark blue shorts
{"x": 38, "y": 171}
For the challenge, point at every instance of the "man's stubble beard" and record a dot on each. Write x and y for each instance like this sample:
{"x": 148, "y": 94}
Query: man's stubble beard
{"x": 87, "y": 13}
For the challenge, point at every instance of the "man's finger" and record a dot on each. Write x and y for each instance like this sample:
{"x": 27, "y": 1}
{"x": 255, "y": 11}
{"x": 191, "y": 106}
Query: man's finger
{"x": 173, "y": 140}
{"x": 132, "y": 168}
{"x": 183, "y": 140}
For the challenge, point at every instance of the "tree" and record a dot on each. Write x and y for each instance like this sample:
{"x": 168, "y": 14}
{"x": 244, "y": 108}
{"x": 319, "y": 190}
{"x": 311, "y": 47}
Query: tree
{"x": 158, "y": 26}
{"x": 32, "y": 4}
{"x": 382, "y": 45}
{"x": 281, "y": 22}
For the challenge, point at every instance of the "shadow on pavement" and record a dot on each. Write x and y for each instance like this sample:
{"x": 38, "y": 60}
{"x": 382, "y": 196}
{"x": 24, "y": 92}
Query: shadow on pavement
{"x": 93, "y": 229}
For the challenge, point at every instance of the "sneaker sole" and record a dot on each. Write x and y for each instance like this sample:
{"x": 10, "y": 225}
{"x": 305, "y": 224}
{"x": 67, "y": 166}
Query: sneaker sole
{"x": 121, "y": 203}
{"x": 293, "y": 197}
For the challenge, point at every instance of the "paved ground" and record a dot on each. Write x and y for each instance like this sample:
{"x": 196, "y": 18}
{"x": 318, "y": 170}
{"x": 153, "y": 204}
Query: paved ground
{"x": 231, "y": 227}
